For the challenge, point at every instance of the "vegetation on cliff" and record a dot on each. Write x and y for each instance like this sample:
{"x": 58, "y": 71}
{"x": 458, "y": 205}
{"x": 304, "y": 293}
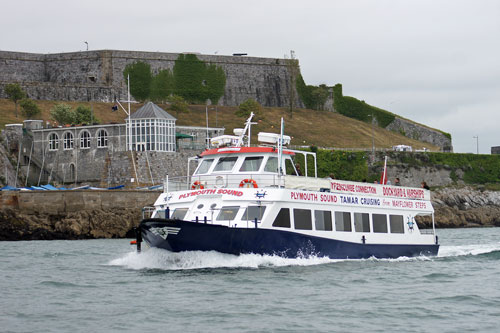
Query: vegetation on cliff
{"x": 191, "y": 78}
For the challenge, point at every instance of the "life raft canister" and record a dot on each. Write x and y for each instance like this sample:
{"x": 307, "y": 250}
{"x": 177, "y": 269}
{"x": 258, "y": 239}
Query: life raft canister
{"x": 248, "y": 183}
{"x": 197, "y": 186}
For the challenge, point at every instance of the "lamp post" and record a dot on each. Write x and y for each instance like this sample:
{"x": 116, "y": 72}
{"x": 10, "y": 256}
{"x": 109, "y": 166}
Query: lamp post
{"x": 87, "y": 45}
{"x": 477, "y": 143}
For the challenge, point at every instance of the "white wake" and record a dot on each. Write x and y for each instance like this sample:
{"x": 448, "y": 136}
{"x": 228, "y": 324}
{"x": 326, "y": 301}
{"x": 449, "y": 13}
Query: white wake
{"x": 154, "y": 258}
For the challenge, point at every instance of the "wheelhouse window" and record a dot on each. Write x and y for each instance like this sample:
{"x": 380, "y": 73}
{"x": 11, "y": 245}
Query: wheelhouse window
{"x": 290, "y": 168}
{"x": 361, "y": 222}
{"x": 227, "y": 213}
{"x": 53, "y": 141}
{"x": 323, "y": 220}
{"x": 204, "y": 166}
{"x": 396, "y": 223}
{"x": 85, "y": 140}
{"x": 379, "y": 223}
{"x": 179, "y": 213}
{"x": 271, "y": 165}
{"x": 68, "y": 141}
{"x": 253, "y": 212}
{"x": 302, "y": 219}
{"x": 282, "y": 220}
{"x": 102, "y": 138}
{"x": 251, "y": 164}
{"x": 343, "y": 221}
{"x": 225, "y": 164}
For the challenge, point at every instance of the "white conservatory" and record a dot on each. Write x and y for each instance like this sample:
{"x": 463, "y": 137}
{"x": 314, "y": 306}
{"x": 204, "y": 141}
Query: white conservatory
{"x": 151, "y": 129}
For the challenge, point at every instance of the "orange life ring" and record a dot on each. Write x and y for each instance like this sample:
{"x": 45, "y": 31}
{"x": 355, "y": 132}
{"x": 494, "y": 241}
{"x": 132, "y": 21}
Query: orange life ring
{"x": 248, "y": 183}
{"x": 197, "y": 186}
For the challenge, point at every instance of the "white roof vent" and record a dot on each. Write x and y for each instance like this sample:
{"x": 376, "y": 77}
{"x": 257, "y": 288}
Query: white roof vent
{"x": 224, "y": 141}
{"x": 272, "y": 138}
{"x": 238, "y": 131}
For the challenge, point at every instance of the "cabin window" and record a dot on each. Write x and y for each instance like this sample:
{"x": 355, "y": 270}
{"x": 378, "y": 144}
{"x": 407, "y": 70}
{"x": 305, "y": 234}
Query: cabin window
{"x": 379, "y": 223}
{"x": 253, "y": 212}
{"x": 227, "y": 213}
{"x": 361, "y": 222}
{"x": 179, "y": 214}
{"x": 159, "y": 214}
{"x": 290, "y": 168}
{"x": 282, "y": 219}
{"x": 323, "y": 220}
{"x": 397, "y": 224}
{"x": 302, "y": 219}
{"x": 251, "y": 164}
{"x": 271, "y": 165}
{"x": 204, "y": 166}
{"x": 225, "y": 164}
{"x": 343, "y": 221}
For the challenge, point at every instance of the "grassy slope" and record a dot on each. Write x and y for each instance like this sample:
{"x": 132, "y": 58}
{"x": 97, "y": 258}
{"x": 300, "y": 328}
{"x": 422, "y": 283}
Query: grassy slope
{"x": 306, "y": 127}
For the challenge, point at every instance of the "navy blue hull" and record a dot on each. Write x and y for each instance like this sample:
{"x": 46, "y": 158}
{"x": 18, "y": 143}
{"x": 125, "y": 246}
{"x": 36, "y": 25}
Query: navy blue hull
{"x": 177, "y": 236}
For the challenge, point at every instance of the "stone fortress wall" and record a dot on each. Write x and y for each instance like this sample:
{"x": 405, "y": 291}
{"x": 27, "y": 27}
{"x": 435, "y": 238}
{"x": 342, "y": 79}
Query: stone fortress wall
{"x": 98, "y": 75}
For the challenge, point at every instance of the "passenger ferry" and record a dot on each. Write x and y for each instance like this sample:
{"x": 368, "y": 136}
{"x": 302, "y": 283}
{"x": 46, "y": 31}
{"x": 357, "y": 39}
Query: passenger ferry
{"x": 251, "y": 199}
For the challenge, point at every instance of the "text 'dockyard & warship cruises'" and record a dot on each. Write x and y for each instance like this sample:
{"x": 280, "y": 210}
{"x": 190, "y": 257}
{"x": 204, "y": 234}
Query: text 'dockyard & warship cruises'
{"x": 246, "y": 199}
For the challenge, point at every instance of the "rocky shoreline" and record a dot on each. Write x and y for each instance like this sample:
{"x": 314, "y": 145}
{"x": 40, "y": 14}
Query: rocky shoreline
{"x": 454, "y": 208}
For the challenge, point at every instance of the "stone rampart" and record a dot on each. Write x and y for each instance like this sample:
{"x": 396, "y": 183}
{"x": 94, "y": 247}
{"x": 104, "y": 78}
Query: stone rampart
{"x": 57, "y": 202}
{"x": 98, "y": 75}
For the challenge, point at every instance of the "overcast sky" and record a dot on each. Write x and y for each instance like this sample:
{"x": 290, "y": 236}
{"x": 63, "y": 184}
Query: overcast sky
{"x": 436, "y": 62}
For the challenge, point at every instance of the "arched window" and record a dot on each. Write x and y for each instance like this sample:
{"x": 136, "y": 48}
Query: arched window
{"x": 53, "y": 141}
{"x": 102, "y": 138}
{"x": 84, "y": 140}
{"x": 72, "y": 172}
{"x": 68, "y": 141}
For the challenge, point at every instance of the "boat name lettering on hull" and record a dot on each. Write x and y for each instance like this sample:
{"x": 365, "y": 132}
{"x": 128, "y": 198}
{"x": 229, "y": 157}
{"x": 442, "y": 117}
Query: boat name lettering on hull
{"x": 211, "y": 191}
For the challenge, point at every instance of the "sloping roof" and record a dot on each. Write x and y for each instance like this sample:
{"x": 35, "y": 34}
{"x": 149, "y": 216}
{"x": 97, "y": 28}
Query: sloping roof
{"x": 151, "y": 111}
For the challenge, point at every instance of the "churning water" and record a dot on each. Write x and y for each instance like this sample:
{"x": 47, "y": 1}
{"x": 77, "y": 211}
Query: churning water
{"x": 104, "y": 285}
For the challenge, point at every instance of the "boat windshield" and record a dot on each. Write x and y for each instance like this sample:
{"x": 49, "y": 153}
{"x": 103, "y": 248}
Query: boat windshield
{"x": 225, "y": 164}
{"x": 204, "y": 166}
{"x": 271, "y": 165}
{"x": 251, "y": 163}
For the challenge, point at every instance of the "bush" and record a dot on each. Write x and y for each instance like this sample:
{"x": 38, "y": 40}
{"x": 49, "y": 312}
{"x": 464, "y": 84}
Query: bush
{"x": 140, "y": 79}
{"x": 177, "y": 104}
{"x": 63, "y": 114}
{"x": 248, "y": 106}
{"x": 29, "y": 108}
{"x": 83, "y": 115}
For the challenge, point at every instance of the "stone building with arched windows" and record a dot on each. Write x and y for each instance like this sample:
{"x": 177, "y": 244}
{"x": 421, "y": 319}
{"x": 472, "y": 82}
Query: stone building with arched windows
{"x": 139, "y": 152}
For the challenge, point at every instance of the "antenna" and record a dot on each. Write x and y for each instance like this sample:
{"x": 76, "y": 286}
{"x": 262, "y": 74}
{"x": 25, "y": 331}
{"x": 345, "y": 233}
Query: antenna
{"x": 248, "y": 125}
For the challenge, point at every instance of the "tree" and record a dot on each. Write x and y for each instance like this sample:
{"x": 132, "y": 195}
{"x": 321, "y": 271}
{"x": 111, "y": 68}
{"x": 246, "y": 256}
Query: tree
{"x": 294, "y": 71}
{"x": 83, "y": 115}
{"x": 63, "y": 114}
{"x": 14, "y": 93}
{"x": 189, "y": 78}
{"x": 215, "y": 82}
{"x": 29, "y": 108}
{"x": 162, "y": 85}
{"x": 140, "y": 79}
{"x": 177, "y": 104}
{"x": 248, "y": 106}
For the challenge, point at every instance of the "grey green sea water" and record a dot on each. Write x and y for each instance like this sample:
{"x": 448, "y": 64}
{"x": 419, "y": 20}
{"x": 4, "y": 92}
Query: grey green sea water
{"x": 105, "y": 286}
